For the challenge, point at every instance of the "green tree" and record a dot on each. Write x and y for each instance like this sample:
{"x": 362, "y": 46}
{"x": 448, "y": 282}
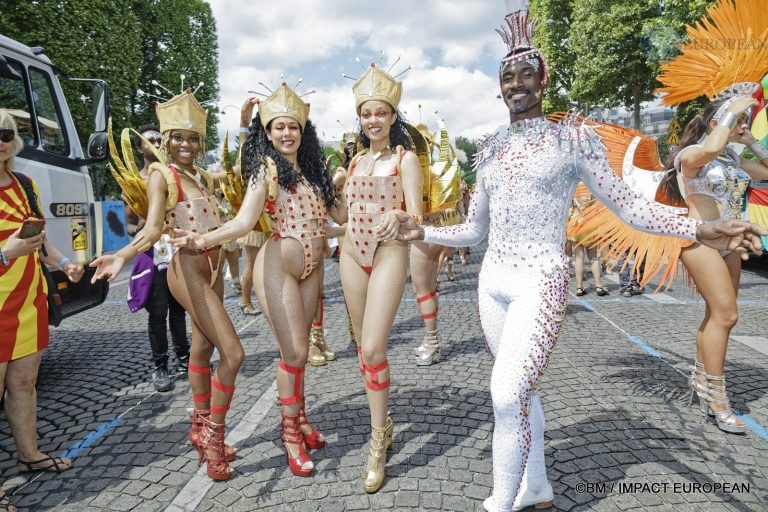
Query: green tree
{"x": 552, "y": 37}
{"x": 83, "y": 38}
{"x": 611, "y": 64}
{"x": 178, "y": 37}
{"x": 469, "y": 148}
{"x": 128, "y": 44}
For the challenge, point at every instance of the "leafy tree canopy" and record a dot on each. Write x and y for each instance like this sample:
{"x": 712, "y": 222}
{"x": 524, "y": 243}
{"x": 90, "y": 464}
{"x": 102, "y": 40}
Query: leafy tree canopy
{"x": 128, "y": 44}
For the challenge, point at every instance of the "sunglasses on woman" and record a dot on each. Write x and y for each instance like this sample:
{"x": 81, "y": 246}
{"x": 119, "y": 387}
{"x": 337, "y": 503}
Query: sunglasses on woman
{"x": 6, "y": 135}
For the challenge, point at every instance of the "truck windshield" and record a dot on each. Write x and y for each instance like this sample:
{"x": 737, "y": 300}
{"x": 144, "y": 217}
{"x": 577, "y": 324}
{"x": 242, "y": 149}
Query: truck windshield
{"x": 38, "y": 127}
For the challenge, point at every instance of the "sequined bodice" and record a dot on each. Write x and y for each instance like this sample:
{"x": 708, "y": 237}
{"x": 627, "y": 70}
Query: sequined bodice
{"x": 368, "y": 198}
{"x": 300, "y": 216}
{"x": 722, "y": 180}
{"x": 199, "y": 215}
{"x": 525, "y": 182}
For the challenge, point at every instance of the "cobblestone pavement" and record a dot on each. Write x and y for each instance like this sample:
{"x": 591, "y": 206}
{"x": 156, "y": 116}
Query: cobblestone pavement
{"x": 620, "y": 432}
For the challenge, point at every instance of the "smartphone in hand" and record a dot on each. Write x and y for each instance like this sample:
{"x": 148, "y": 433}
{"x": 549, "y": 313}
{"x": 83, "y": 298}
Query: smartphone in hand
{"x": 31, "y": 227}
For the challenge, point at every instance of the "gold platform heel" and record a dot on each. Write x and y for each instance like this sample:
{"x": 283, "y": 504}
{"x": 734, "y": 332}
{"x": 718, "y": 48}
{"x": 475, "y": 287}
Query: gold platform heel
{"x": 377, "y": 458}
{"x": 317, "y": 337}
{"x": 315, "y": 356}
{"x": 727, "y": 421}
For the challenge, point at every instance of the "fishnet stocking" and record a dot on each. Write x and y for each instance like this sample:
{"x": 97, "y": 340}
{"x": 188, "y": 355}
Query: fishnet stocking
{"x": 373, "y": 300}
{"x": 717, "y": 279}
{"x": 189, "y": 278}
{"x": 289, "y": 304}
{"x": 424, "y": 269}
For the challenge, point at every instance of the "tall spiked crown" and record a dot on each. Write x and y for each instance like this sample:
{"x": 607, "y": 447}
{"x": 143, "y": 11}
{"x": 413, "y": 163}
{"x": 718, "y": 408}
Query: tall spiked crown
{"x": 283, "y": 102}
{"x": 182, "y": 112}
{"x": 375, "y": 84}
{"x": 518, "y": 36}
{"x": 723, "y": 51}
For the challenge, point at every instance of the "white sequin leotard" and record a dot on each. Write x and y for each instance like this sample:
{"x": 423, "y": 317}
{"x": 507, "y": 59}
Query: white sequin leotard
{"x": 524, "y": 185}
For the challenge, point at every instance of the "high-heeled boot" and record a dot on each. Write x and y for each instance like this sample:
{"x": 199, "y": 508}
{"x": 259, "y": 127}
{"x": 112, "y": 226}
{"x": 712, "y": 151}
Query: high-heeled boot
{"x": 429, "y": 350}
{"x": 697, "y": 382}
{"x": 301, "y": 465}
{"x": 449, "y": 269}
{"x": 211, "y": 449}
{"x": 197, "y": 416}
{"x": 377, "y": 458}
{"x": 317, "y": 338}
{"x": 726, "y": 419}
{"x": 314, "y": 439}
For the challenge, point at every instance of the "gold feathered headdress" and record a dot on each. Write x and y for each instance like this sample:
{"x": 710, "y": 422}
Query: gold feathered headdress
{"x": 728, "y": 45}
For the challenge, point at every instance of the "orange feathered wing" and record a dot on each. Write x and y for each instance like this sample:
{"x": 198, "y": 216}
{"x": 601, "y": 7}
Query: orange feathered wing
{"x": 728, "y": 45}
{"x": 634, "y": 157}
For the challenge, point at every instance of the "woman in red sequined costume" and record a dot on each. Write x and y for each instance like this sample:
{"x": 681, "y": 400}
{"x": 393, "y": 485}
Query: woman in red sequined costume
{"x": 382, "y": 177}
{"x": 286, "y": 178}
{"x": 179, "y": 200}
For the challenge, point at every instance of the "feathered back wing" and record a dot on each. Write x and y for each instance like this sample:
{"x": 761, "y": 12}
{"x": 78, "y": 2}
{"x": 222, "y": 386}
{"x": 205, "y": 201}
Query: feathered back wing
{"x": 634, "y": 157}
{"x": 233, "y": 187}
{"x": 126, "y": 172}
{"x": 728, "y": 45}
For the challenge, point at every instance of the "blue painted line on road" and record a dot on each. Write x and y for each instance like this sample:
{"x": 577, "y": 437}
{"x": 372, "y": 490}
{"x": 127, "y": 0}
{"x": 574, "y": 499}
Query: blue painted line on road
{"x": 647, "y": 348}
{"x": 92, "y": 438}
{"x": 753, "y": 425}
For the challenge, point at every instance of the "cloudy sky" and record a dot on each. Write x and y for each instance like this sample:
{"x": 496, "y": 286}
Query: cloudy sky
{"x": 451, "y": 46}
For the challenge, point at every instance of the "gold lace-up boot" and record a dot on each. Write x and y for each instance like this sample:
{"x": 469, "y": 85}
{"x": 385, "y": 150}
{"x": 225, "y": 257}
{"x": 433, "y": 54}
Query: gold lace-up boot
{"x": 317, "y": 338}
{"x": 381, "y": 440}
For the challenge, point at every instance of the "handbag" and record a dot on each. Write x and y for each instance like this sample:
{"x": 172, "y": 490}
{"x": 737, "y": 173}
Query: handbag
{"x": 55, "y": 316}
{"x": 141, "y": 280}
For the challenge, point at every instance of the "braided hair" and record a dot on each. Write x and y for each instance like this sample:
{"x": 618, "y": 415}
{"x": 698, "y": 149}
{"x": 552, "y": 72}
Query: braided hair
{"x": 310, "y": 157}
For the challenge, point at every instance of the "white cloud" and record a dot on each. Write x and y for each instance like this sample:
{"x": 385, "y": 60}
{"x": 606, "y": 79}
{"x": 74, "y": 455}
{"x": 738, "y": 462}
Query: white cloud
{"x": 451, "y": 46}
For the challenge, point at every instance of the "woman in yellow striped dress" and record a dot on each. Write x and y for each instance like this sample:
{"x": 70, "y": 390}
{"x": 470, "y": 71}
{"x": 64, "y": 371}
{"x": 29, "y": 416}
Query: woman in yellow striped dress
{"x": 23, "y": 309}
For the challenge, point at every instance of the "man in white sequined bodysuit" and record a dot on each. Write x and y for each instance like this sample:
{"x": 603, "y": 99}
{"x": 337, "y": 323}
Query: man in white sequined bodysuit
{"x": 525, "y": 183}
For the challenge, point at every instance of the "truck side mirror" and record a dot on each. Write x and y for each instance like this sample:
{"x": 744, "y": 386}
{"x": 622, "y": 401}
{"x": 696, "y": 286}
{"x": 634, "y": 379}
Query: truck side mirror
{"x": 100, "y": 97}
{"x": 6, "y": 71}
{"x": 97, "y": 145}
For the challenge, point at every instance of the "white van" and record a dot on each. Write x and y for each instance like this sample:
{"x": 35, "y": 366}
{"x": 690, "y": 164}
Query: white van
{"x": 31, "y": 91}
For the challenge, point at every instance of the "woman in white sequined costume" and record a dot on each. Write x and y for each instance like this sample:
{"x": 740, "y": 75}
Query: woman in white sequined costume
{"x": 708, "y": 177}
{"x": 525, "y": 183}
{"x": 286, "y": 178}
{"x": 178, "y": 199}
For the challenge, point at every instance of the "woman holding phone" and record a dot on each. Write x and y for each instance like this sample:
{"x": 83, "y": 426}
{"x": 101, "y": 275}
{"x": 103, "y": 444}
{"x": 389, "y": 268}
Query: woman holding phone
{"x": 23, "y": 304}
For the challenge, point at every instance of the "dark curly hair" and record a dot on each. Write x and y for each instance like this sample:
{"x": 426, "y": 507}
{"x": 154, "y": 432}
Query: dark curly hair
{"x": 398, "y": 135}
{"x": 694, "y": 130}
{"x": 310, "y": 156}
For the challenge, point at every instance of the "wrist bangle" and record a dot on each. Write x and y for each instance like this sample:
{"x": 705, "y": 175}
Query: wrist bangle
{"x": 63, "y": 261}
{"x": 4, "y": 259}
{"x": 759, "y": 150}
{"x": 244, "y": 129}
{"x": 416, "y": 219}
{"x": 728, "y": 120}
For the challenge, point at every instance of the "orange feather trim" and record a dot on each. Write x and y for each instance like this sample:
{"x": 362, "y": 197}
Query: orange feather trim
{"x": 727, "y": 46}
